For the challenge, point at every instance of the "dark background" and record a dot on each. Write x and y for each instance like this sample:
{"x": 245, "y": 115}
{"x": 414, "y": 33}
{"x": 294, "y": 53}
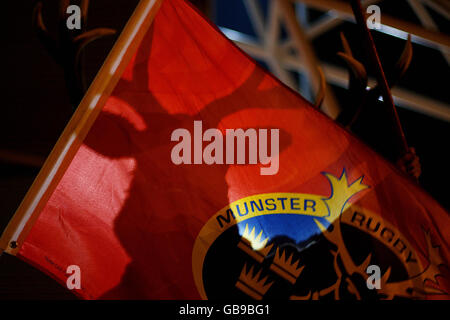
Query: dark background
{"x": 35, "y": 105}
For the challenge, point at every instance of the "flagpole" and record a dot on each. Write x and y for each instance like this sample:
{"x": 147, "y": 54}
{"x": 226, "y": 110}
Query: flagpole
{"x": 78, "y": 127}
{"x": 380, "y": 76}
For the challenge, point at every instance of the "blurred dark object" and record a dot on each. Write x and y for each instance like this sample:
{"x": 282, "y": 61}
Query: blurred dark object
{"x": 68, "y": 45}
{"x": 23, "y": 277}
{"x": 204, "y": 6}
{"x": 410, "y": 164}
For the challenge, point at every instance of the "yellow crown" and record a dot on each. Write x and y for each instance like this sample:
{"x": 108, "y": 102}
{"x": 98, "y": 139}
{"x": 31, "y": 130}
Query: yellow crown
{"x": 284, "y": 267}
{"x": 254, "y": 246}
{"x": 253, "y": 285}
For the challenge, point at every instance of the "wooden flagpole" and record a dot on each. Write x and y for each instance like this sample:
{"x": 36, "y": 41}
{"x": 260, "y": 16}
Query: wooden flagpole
{"x": 78, "y": 126}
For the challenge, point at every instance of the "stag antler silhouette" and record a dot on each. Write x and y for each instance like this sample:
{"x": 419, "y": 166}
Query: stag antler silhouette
{"x": 365, "y": 97}
{"x": 358, "y": 83}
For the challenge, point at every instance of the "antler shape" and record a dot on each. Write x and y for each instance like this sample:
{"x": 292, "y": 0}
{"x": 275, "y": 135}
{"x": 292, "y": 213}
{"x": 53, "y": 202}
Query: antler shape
{"x": 358, "y": 78}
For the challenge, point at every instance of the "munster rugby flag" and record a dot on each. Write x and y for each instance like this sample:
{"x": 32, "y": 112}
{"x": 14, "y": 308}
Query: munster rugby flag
{"x": 189, "y": 172}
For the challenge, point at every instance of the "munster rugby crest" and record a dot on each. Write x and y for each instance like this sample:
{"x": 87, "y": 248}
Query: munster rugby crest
{"x": 303, "y": 246}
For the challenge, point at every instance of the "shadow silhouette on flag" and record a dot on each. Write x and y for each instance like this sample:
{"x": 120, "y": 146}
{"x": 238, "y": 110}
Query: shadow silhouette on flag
{"x": 166, "y": 203}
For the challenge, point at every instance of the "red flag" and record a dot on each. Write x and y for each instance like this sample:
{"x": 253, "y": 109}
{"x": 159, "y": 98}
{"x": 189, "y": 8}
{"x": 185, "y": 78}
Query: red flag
{"x": 156, "y": 203}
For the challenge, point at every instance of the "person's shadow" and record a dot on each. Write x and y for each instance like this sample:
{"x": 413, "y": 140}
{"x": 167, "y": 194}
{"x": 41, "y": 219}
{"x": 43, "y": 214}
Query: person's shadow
{"x": 167, "y": 204}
